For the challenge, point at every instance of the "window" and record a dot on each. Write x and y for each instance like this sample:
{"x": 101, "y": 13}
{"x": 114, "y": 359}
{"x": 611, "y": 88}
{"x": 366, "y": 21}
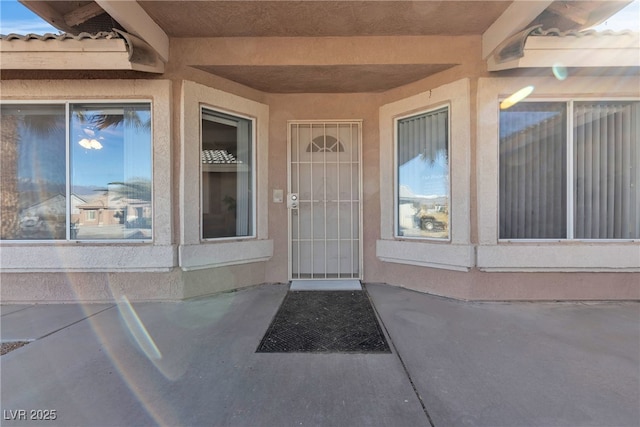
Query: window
{"x": 570, "y": 170}
{"x": 423, "y": 175}
{"x": 227, "y": 177}
{"x": 101, "y": 190}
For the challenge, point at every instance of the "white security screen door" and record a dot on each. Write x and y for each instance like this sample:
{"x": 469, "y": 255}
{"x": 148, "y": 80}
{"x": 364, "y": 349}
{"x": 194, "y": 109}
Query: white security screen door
{"x": 324, "y": 200}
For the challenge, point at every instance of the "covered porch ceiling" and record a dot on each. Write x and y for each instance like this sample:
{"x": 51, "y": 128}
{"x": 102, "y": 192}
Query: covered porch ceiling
{"x": 197, "y": 24}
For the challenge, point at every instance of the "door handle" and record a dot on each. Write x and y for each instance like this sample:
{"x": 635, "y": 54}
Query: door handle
{"x": 292, "y": 201}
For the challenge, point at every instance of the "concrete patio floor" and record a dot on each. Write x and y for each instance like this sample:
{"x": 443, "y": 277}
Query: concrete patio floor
{"x": 453, "y": 363}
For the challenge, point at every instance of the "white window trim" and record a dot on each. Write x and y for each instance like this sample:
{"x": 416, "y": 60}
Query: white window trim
{"x": 456, "y": 253}
{"x": 197, "y": 253}
{"x": 67, "y": 104}
{"x": 569, "y": 101}
{"x": 396, "y": 183}
{"x": 113, "y": 255}
{"x": 540, "y": 255}
{"x": 253, "y": 175}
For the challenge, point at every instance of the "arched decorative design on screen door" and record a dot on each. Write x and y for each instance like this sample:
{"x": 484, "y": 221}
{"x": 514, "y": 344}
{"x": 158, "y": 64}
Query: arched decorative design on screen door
{"x": 325, "y": 143}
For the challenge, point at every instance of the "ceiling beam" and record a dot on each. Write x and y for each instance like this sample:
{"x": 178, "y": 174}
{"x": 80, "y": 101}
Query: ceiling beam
{"x": 82, "y": 14}
{"x": 516, "y": 18}
{"x": 136, "y": 21}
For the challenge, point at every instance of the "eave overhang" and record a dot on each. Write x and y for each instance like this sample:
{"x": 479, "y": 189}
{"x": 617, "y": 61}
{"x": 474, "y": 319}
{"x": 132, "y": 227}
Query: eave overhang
{"x": 538, "y": 48}
{"x": 114, "y": 50}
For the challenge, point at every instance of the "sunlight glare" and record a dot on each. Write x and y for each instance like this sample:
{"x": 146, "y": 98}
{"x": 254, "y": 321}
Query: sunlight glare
{"x": 516, "y": 97}
{"x": 90, "y": 144}
{"x": 137, "y": 329}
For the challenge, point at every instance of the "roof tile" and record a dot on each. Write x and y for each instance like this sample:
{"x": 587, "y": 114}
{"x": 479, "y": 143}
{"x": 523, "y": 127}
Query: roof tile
{"x": 217, "y": 157}
{"x": 61, "y": 37}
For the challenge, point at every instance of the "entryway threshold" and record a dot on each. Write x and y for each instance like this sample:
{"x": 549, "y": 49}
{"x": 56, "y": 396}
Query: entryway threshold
{"x": 326, "y": 285}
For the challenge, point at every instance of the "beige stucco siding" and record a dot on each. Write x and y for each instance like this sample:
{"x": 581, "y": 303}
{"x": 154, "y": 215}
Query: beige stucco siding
{"x": 178, "y": 264}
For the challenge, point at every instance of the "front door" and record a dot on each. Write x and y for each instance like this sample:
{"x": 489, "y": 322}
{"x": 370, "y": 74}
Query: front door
{"x": 324, "y": 200}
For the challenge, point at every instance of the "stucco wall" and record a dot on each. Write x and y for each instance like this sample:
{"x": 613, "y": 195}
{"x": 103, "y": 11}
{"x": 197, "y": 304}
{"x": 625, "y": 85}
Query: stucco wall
{"x": 482, "y": 286}
{"x": 147, "y": 272}
{"x": 71, "y": 287}
{"x": 94, "y": 271}
{"x": 209, "y": 281}
{"x": 542, "y": 271}
{"x": 94, "y": 287}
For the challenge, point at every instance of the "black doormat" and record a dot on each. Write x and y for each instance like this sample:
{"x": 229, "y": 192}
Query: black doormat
{"x": 324, "y": 322}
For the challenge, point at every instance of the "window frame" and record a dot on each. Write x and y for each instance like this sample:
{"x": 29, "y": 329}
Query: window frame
{"x": 459, "y": 253}
{"x": 569, "y": 185}
{"x": 396, "y": 179}
{"x": 204, "y": 106}
{"x": 67, "y": 103}
{"x": 193, "y": 253}
{"x": 548, "y": 255}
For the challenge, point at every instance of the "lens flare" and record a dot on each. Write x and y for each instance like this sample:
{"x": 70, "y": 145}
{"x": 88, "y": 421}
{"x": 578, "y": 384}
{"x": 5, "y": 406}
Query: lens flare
{"x": 137, "y": 329}
{"x": 560, "y": 71}
{"x": 90, "y": 144}
{"x": 188, "y": 321}
{"x": 516, "y": 97}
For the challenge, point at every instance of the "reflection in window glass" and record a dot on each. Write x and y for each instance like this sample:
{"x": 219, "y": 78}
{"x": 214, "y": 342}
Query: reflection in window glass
{"x": 533, "y": 175}
{"x": 423, "y": 175}
{"x": 227, "y": 201}
{"x": 606, "y": 150}
{"x": 33, "y": 201}
{"x": 534, "y": 144}
{"x": 110, "y": 171}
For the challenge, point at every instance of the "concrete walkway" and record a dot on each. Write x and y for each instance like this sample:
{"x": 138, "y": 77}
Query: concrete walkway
{"x": 194, "y": 363}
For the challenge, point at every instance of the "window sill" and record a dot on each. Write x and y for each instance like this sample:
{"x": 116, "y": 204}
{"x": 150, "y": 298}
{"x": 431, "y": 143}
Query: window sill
{"x": 218, "y": 240}
{"x": 426, "y": 254}
{"x": 86, "y": 257}
{"x": 422, "y": 240}
{"x": 213, "y": 254}
{"x": 555, "y": 256}
{"x": 566, "y": 241}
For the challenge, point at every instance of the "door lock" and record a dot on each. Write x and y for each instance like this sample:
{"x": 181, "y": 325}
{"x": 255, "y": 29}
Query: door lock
{"x": 292, "y": 201}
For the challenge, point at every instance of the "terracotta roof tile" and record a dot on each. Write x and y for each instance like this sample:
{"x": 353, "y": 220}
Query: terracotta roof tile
{"x": 554, "y": 32}
{"x": 216, "y": 157}
{"x": 103, "y": 35}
